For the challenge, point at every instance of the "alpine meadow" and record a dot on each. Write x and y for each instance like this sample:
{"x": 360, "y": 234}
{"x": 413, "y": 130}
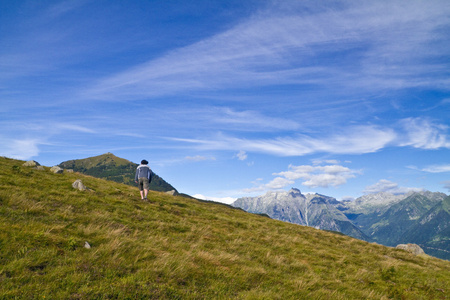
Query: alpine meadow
{"x": 58, "y": 242}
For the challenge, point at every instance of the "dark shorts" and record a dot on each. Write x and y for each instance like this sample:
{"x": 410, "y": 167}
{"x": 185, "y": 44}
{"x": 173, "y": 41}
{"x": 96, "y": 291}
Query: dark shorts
{"x": 143, "y": 183}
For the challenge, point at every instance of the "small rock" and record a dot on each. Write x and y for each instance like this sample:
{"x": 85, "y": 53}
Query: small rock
{"x": 69, "y": 170}
{"x": 78, "y": 184}
{"x": 39, "y": 168}
{"x": 86, "y": 245}
{"x": 31, "y": 163}
{"x": 172, "y": 192}
{"x": 413, "y": 248}
{"x": 56, "y": 170}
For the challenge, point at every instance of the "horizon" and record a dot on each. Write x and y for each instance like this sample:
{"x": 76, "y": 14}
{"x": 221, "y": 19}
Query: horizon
{"x": 232, "y": 99}
{"x": 405, "y": 193}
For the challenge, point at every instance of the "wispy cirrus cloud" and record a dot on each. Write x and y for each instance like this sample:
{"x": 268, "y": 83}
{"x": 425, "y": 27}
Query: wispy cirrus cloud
{"x": 354, "y": 140}
{"x": 250, "y": 120}
{"x": 199, "y": 158}
{"x": 71, "y": 127}
{"x": 437, "y": 168}
{"x": 224, "y": 118}
{"x": 277, "y": 46}
{"x": 417, "y": 133}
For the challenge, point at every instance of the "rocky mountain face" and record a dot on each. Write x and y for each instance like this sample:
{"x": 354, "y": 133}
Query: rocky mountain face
{"x": 110, "y": 167}
{"x": 312, "y": 210}
{"x": 422, "y": 218}
{"x": 432, "y": 230}
{"x": 388, "y": 224}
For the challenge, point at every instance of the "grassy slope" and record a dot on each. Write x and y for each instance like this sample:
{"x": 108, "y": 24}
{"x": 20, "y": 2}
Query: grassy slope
{"x": 110, "y": 167}
{"x": 178, "y": 248}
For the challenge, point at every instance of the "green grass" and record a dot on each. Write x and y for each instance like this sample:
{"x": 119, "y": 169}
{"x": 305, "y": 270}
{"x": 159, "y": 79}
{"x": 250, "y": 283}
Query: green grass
{"x": 179, "y": 248}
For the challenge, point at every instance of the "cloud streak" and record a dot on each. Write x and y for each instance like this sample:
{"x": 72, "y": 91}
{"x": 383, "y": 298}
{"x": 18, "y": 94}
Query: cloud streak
{"x": 278, "y": 48}
{"x": 417, "y": 133}
{"x": 437, "y": 169}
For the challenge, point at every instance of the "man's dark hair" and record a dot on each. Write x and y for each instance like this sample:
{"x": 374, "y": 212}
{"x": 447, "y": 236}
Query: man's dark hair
{"x": 144, "y": 162}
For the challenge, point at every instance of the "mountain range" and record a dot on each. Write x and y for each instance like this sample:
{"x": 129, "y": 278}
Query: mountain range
{"x": 110, "y": 167}
{"x": 416, "y": 217}
{"x": 312, "y": 210}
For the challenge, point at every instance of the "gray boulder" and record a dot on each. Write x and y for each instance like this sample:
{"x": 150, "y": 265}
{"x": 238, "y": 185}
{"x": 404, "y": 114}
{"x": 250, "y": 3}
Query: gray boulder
{"x": 31, "y": 163}
{"x": 78, "y": 184}
{"x": 56, "y": 170}
{"x": 413, "y": 248}
{"x": 172, "y": 192}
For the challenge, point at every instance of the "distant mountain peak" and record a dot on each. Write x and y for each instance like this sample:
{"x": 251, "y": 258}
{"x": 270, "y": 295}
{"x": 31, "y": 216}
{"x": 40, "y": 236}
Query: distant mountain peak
{"x": 380, "y": 201}
{"x": 312, "y": 210}
{"x": 295, "y": 191}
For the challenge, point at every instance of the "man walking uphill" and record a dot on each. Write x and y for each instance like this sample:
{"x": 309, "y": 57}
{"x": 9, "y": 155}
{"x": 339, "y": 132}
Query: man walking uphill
{"x": 143, "y": 178}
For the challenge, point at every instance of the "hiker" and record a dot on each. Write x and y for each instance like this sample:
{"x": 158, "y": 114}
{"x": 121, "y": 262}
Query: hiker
{"x": 143, "y": 178}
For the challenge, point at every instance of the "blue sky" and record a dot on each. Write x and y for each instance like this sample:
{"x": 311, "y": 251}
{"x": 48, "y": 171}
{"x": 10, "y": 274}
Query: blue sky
{"x": 229, "y": 99}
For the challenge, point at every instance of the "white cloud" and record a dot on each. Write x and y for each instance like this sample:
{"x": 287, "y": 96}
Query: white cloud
{"x": 422, "y": 133}
{"x": 278, "y": 183}
{"x": 199, "y": 158}
{"x": 320, "y": 176}
{"x": 437, "y": 169}
{"x": 353, "y": 140}
{"x": 389, "y": 187}
{"x": 19, "y": 149}
{"x": 410, "y": 132}
{"x": 251, "y": 120}
{"x": 242, "y": 155}
{"x": 226, "y": 200}
{"x": 326, "y": 161}
{"x": 275, "y": 184}
{"x": 62, "y": 8}
{"x": 312, "y": 176}
{"x": 275, "y": 46}
{"x": 71, "y": 127}
{"x": 446, "y": 184}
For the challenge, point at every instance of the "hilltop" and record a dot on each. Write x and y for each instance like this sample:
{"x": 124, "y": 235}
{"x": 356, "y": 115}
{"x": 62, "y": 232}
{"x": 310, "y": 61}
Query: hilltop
{"x": 110, "y": 167}
{"x": 180, "y": 248}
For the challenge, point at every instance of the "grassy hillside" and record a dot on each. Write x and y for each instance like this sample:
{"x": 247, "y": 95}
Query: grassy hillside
{"x": 110, "y": 167}
{"x": 179, "y": 248}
